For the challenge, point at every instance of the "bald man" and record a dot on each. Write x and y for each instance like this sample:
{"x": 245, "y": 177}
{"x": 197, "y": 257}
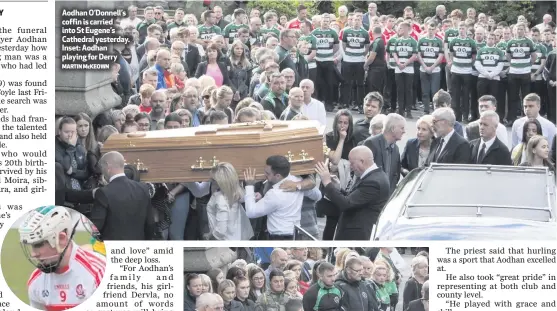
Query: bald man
{"x": 295, "y": 102}
{"x": 162, "y": 64}
{"x": 279, "y": 259}
{"x": 362, "y": 200}
{"x": 122, "y": 209}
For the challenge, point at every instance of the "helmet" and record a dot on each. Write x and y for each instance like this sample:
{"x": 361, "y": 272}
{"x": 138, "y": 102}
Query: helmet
{"x": 43, "y": 225}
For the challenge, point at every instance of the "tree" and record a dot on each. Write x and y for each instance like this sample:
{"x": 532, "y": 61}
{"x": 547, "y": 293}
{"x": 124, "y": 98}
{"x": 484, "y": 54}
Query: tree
{"x": 285, "y": 7}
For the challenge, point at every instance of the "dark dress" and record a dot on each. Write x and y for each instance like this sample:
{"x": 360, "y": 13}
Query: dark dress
{"x": 324, "y": 206}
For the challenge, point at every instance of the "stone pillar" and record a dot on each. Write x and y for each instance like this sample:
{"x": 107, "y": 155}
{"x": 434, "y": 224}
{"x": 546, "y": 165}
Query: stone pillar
{"x": 80, "y": 90}
{"x": 203, "y": 259}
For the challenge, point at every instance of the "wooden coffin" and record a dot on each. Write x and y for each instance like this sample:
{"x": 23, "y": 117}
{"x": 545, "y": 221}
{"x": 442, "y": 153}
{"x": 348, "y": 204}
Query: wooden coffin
{"x": 186, "y": 155}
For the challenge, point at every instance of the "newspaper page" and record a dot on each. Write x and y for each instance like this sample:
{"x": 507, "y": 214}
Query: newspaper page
{"x": 277, "y": 155}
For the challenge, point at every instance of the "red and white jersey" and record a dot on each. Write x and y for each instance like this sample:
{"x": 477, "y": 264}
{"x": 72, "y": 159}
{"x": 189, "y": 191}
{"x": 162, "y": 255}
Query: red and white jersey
{"x": 71, "y": 287}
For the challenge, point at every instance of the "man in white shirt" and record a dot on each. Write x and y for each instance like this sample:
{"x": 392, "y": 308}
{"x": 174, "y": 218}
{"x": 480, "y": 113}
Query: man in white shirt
{"x": 312, "y": 108}
{"x": 283, "y": 209}
{"x": 488, "y": 102}
{"x": 132, "y": 18}
{"x": 488, "y": 149}
{"x": 531, "y": 106}
{"x": 546, "y": 20}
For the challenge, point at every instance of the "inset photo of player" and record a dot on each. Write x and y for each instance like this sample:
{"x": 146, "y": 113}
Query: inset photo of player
{"x": 59, "y": 262}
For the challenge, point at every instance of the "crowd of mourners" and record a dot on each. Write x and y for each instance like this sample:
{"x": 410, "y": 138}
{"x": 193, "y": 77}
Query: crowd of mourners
{"x": 298, "y": 279}
{"x": 471, "y": 75}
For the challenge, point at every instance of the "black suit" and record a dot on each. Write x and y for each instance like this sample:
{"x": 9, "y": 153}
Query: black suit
{"x": 378, "y": 146}
{"x": 456, "y": 150}
{"x": 359, "y": 208}
{"x": 411, "y": 154}
{"x": 192, "y": 57}
{"x": 497, "y": 154}
{"x": 122, "y": 211}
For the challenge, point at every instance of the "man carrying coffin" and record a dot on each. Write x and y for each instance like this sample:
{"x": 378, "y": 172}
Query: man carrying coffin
{"x": 282, "y": 208}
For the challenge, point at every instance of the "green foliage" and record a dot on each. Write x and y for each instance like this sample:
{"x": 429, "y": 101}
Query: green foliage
{"x": 285, "y": 7}
{"x": 501, "y": 10}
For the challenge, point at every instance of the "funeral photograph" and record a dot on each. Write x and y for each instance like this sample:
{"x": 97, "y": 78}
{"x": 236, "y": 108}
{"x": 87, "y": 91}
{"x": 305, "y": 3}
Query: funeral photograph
{"x": 302, "y": 278}
{"x": 307, "y": 120}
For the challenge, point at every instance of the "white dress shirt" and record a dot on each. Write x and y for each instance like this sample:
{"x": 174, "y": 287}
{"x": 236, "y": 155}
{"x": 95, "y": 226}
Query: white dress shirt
{"x": 283, "y": 209}
{"x": 315, "y": 110}
{"x": 369, "y": 169}
{"x": 116, "y": 176}
{"x": 488, "y": 145}
{"x": 501, "y": 133}
{"x": 548, "y": 130}
{"x": 446, "y": 140}
{"x": 130, "y": 22}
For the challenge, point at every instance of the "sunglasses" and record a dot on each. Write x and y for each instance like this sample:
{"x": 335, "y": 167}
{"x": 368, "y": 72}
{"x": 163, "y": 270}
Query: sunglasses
{"x": 206, "y": 96}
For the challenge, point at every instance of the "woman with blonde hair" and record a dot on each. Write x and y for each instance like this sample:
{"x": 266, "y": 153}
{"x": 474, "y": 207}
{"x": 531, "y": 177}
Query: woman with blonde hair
{"x": 206, "y": 284}
{"x": 227, "y": 217}
{"x": 413, "y": 287}
{"x": 537, "y": 153}
{"x": 380, "y": 278}
{"x": 389, "y": 284}
{"x": 206, "y": 96}
{"x": 227, "y": 291}
{"x": 416, "y": 150}
{"x": 340, "y": 255}
{"x": 223, "y": 98}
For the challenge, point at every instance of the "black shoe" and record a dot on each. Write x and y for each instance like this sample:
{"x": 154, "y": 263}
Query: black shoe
{"x": 329, "y": 108}
{"x": 409, "y": 115}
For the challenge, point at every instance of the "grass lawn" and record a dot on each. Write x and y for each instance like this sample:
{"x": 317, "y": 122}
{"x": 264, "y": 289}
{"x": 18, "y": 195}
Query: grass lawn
{"x": 17, "y": 269}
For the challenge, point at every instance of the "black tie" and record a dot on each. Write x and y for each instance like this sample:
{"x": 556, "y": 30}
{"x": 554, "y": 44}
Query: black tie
{"x": 482, "y": 154}
{"x": 438, "y": 151}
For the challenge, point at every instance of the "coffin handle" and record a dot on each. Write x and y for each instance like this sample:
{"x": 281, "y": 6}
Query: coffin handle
{"x": 201, "y": 164}
{"x": 140, "y": 166}
{"x": 304, "y": 158}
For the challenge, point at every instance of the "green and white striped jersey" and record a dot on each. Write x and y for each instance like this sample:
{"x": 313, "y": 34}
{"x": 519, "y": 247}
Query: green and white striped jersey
{"x": 405, "y": 48}
{"x": 390, "y": 48}
{"x": 463, "y": 51}
{"x": 230, "y": 32}
{"x": 520, "y": 51}
{"x": 450, "y": 34}
{"x": 207, "y": 33}
{"x": 490, "y": 58}
{"x": 541, "y": 54}
{"x": 355, "y": 41}
{"x": 326, "y": 39}
{"x": 313, "y": 46}
{"x": 429, "y": 51}
{"x": 264, "y": 30}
